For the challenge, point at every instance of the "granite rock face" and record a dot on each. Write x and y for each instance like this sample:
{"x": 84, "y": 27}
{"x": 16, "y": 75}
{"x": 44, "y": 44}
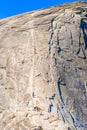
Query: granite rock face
{"x": 43, "y": 69}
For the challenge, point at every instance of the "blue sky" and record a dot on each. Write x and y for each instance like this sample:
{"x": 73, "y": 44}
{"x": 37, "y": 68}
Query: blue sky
{"x": 14, "y": 7}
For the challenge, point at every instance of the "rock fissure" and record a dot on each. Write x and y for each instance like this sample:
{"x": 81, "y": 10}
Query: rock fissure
{"x": 43, "y": 69}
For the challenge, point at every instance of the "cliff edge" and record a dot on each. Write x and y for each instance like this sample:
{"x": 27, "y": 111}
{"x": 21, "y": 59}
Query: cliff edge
{"x": 43, "y": 69}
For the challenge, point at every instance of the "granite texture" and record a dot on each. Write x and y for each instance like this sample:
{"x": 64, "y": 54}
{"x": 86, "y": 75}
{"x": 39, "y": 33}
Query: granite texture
{"x": 43, "y": 69}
